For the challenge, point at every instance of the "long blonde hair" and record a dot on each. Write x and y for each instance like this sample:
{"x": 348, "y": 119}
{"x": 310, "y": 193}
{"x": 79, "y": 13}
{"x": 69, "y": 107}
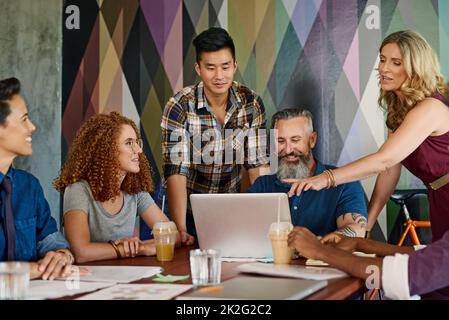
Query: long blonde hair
{"x": 424, "y": 77}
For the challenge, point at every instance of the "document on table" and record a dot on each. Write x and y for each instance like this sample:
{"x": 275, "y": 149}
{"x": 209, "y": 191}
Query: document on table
{"x": 44, "y": 289}
{"x": 139, "y": 292}
{"x": 116, "y": 274}
{"x": 292, "y": 271}
{"x": 312, "y": 262}
{"x": 229, "y": 259}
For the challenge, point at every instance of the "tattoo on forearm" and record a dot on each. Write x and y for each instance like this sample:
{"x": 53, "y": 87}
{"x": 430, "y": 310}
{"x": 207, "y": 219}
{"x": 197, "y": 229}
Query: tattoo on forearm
{"x": 358, "y": 218}
{"x": 348, "y": 231}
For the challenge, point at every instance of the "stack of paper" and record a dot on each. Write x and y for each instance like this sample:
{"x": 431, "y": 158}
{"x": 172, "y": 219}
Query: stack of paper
{"x": 293, "y": 271}
{"x": 139, "y": 292}
{"x": 44, "y": 289}
{"x": 312, "y": 262}
{"x": 100, "y": 277}
{"x": 119, "y": 274}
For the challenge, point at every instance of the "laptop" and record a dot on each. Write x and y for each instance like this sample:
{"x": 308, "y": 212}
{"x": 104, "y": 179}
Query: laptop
{"x": 237, "y": 223}
{"x": 258, "y": 288}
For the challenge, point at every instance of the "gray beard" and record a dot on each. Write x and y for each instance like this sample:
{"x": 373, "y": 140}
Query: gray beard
{"x": 288, "y": 170}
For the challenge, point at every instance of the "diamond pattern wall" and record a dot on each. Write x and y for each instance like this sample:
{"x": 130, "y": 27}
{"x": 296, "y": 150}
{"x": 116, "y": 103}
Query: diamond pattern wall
{"x": 131, "y": 56}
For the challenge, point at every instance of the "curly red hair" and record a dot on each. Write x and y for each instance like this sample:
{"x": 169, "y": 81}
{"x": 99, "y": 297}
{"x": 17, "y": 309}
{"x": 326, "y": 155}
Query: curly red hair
{"x": 93, "y": 156}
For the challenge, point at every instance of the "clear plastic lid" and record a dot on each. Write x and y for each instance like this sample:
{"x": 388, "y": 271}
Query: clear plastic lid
{"x": 164, "y": 227}
{"x": 280, "y": 228}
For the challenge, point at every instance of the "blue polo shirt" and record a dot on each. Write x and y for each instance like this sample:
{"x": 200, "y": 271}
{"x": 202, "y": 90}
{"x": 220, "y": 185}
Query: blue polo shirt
{"x": 317, "y": 210}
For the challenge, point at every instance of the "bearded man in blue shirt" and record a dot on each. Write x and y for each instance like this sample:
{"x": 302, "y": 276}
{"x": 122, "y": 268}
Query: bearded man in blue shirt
{"x": 328, "y": 212}
{"x": 28, "y": 232}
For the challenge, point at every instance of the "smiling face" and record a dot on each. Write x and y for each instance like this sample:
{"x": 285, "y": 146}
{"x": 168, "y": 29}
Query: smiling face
{"x": 392, "y": 72}
{"x": 295, "y": 141}
{"x": 16, "y": 133}
{"x": 216, "y": 69}
{"x": 129, "y": 150}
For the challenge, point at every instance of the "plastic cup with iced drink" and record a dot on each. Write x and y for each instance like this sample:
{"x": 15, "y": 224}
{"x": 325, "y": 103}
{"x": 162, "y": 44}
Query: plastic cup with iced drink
{"x": 14, "y": 280}
{"x": 165, "y": 237}
{"x": 278, "y": 234}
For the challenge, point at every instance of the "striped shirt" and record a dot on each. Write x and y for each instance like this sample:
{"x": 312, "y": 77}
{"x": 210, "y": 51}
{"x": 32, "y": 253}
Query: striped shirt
{"x": 194, "y": 143}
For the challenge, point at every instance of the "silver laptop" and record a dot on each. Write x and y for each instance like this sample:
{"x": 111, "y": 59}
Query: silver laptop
{"x": 237, "y": 223}
{"x": 258, "y": 288}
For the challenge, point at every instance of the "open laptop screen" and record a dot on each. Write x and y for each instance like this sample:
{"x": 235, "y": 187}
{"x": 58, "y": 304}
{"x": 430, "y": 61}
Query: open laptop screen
{"x": 237, "y": 223}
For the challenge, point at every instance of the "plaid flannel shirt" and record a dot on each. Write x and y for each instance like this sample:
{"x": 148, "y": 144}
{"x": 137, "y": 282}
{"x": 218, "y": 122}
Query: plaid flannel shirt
{"x": 195, "y": 145}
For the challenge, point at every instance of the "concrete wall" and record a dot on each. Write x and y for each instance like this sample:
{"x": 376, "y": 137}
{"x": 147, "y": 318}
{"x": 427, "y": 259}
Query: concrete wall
{"x": 30, "y": 50}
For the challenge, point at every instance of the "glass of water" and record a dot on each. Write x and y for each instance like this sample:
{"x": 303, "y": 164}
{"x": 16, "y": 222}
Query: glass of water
{"x": 205, "y": 267}
{"x": 14, "y": 280}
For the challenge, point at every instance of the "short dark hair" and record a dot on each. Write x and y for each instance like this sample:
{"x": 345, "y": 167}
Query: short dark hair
{"x": 8, "y": 88}
{"x": 211, "y": 40}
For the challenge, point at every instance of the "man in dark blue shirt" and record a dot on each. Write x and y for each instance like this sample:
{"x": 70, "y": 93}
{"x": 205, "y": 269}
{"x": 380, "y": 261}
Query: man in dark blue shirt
{"x": 28, "y": 232}
{"x": 340, "y": 210}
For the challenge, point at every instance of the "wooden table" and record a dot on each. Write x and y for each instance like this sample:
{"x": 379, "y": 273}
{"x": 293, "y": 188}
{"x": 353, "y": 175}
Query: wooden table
{"x": 337, "y": 289}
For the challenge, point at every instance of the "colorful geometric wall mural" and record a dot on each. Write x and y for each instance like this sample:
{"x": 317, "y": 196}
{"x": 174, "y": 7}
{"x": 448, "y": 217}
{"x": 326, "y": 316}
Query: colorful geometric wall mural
{"x": 131, "y": 56}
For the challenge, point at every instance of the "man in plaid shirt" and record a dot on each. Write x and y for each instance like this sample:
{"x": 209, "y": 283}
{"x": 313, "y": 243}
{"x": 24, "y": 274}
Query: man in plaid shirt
{"x": 213, "y": 133}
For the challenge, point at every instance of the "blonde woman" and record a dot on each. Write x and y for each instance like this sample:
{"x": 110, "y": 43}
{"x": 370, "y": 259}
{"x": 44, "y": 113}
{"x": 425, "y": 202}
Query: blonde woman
{"x": 414, "y": 94}
{"x": 415, "y": 98}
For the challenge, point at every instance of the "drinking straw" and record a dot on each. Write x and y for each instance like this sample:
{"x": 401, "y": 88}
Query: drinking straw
{"x": 279, "y": 213}
{"x": 163, "y": 203}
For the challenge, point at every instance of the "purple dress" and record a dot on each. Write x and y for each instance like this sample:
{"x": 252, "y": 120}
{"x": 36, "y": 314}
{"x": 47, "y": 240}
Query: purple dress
{"x": 429, "y": 162}
{"x": 429, "y": 268}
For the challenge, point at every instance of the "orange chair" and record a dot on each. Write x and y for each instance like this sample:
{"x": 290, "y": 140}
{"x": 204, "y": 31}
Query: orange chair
{"x": 400, "y": 197}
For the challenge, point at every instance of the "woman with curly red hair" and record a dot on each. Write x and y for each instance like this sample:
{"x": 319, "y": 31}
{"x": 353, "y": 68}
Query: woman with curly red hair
{"x": 106, "y": 182}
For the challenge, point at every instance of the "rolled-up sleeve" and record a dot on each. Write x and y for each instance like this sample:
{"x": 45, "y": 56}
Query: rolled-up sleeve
{"x": 51, "y": 242}
{"x": 175, "y": 140}
{"x": 395, "y": 277}
{"x": 47, "y": 235}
